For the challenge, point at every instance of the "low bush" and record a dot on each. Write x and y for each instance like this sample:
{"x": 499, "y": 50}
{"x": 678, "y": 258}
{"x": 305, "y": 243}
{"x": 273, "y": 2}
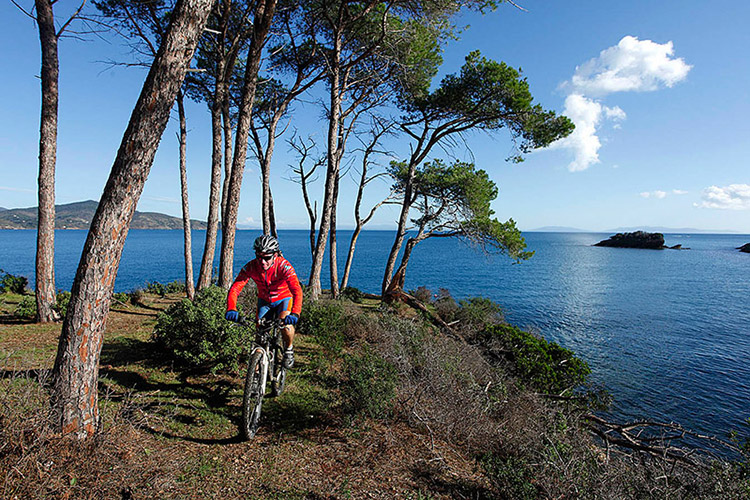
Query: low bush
{"x": 479, "y": 312}
{"x": 196, "y": 333}
{"x": 10, "y": 283}
{"x": 61, "y": 303}
{"x": 156, "y": 288}
{"x": 547, "y": 366}
{"x": 325, "y": 323}
{"x": 175, "y": 287}
{"x": 353, "y": 294}
{"x": 136, "y": 296}
{"x": 26, "y": 308}
{"x": 511, "y": 475}
{"x": 369, "y": 389}
{"x": 121, "y": 297}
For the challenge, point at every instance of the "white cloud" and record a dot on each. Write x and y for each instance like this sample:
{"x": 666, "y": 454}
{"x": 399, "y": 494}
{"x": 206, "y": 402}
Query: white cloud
{"x": 587, "y": 114}
{"x": 632, "y": 65}
{"x": 679, "y": 191}
{"x": 654, "y": 194}
{"x": 732, "y": 197}
{"x": 16, "y": 190}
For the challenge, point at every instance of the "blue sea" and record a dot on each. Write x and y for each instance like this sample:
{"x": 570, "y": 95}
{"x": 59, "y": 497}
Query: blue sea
{"x": 666, "y": 332}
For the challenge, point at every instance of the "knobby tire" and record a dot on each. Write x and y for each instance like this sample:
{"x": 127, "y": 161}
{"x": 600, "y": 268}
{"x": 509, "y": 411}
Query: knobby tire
{"x": 279, "y": 373}
{"x": 253, "y": 396}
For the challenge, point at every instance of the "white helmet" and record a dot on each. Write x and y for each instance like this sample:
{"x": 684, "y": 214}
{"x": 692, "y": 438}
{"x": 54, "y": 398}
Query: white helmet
{"x": 266, "y": 244}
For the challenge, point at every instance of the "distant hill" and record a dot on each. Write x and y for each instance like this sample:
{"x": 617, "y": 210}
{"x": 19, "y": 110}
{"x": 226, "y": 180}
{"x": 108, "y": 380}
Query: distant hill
{"x": 557, "y": 229}
{"x": 78, "y": 216}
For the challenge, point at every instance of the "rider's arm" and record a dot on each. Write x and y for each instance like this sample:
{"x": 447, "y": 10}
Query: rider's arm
{"x": 237, "y": 287}
{"x": 293, "y": 283}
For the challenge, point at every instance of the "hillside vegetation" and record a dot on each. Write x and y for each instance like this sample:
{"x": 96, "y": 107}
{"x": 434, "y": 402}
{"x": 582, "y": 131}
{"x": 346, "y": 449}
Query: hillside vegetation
{"x": 78, "y": 216}
{"x": 380, "y": 404}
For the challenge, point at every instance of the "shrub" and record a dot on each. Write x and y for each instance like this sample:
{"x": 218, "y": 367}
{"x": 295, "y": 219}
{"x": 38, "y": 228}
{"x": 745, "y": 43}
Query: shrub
{"x": 479, "y": 312}
{"x": 122, "y": 297}
{"x": 196, "y": 333}
{"x": 512, "y": 475}
{"x": 370, "y": 387}
{"x": 422, "y": 294}
{"x": 545, "y": 365}
{"x": 353, "y": 294}
{"x": 156, "y": 288}
{"x": 26, "y": 309}
{"x": 175, "y": 287}
{"x": 13, "y": 284}
{"x": 325, "y": 322}
{"x": 61, "y": 303}
{"x": 136, "y": 296}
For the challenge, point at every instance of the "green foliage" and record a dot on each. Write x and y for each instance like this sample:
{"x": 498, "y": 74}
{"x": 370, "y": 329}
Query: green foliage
{"x": 61, "y": 303}
{"x": 10, "y": 283}
{"x": 478, "y": 312}
{"x": 491, "y": 95}
{"x": 156, "y": 288}
{"x": 370, "y": 387}
{"x": 547, "y": 366}
{"x": 175, "y": 287}
{"x": 454, "y": 200}
{"x": 196, "y": 333}
{"x": 325, "y": 323}
{"x": 511, "y": 475}
{"x": 353, "y": 294}
{"x": 26, "y": 308}
{"x": 122, "y": 297}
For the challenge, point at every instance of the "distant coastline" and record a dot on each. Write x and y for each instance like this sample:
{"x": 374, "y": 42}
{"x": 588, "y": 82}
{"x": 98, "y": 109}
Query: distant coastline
{"x": 79, "y": 215}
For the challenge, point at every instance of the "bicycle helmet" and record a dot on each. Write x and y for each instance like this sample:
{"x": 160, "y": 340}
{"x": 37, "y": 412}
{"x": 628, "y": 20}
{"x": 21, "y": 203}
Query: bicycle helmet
{"x": 266, "y": 244}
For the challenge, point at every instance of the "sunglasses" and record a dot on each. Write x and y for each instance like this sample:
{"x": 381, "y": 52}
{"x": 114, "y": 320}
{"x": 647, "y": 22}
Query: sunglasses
{"x": 265, "y": 257}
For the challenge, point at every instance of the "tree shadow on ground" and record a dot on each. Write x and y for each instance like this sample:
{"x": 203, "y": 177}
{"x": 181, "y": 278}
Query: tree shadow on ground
{"x": 195, "y": 405}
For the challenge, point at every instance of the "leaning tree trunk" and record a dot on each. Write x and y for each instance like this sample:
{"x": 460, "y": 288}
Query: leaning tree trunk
{"x": 189, "y": 285}
{"x": 262, "y": 23}
{"x": 401, "y": 230}
{"x": 45, "y": 238}
{"x": 212, "y": 224}
{"x": 350, "y": 256}
{"x": 76, "y": 370}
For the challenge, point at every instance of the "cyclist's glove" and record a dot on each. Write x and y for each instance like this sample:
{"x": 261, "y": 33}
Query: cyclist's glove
{"x": 291, "y": 319}
{"x": 232, "y": 316}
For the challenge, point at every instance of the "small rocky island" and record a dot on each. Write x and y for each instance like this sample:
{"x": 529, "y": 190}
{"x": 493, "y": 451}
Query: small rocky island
{"x": 744, "y": 248}
{"x": 637, "y": 239}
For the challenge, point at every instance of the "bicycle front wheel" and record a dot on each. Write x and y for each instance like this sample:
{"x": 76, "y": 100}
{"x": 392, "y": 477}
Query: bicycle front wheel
{"x": 279, "y": 373}
{"x": 252, "y": 399}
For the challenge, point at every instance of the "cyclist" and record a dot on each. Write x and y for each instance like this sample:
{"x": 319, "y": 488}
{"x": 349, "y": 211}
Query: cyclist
{"x": 279, "y": 291}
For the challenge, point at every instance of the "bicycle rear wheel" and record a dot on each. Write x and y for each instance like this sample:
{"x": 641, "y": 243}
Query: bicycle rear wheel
{"x": 279, "y": 373}
{"x": 252, "y": 399}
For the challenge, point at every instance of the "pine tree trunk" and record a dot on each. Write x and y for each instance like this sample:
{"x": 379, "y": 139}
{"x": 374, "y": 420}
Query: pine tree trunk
{"x": 227, "y": 120}
{"x": 189, "y": 285}
{"x": 45, "y": 240}
{"x": 332, "y": 253}
{"x": 332, "y": 173}
{"x": 401, "y": 230}
{"x": 262, "y": 23}
{"x": 76, "y": 370}
{"x": 212, "y": 224}
{"x": 350, "y": 256}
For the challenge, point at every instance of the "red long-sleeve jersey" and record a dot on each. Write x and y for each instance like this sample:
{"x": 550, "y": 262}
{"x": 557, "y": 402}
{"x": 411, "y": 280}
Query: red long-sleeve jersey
{"x": 279, "y": 282}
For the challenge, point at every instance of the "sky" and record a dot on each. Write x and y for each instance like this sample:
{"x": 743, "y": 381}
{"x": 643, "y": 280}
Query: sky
{"x": 659, "y": 93}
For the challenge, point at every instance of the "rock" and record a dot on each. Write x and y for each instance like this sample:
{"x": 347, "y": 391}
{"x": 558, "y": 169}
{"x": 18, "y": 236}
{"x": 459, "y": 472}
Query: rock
{"x": 676, "y": 247}
{"x": 638, "y": 239}
{"x": 744, "y": 248}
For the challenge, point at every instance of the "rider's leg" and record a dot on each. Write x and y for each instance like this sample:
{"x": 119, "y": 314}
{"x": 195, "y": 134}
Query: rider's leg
{"x": 287, "y": 332}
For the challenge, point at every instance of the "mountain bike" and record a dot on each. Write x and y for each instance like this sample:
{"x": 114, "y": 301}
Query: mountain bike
{"x": 266, "y": 358}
